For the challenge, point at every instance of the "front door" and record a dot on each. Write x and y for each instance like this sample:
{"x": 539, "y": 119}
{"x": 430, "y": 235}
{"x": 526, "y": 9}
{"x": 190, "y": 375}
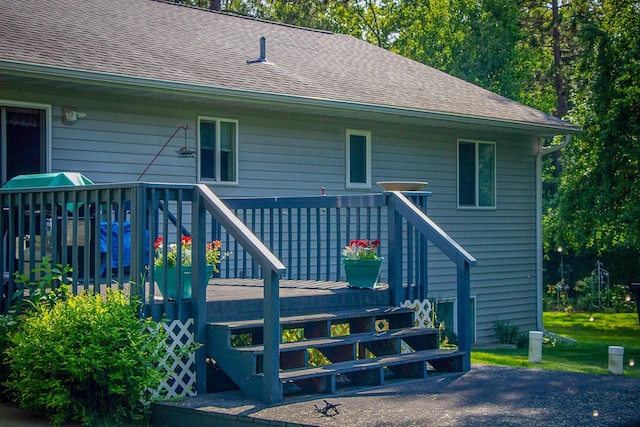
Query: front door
{"x": 23, "y": 134}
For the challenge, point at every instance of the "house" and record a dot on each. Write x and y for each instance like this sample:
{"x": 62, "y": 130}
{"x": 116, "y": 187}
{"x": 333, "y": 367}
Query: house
{"x": 99, "y": 87}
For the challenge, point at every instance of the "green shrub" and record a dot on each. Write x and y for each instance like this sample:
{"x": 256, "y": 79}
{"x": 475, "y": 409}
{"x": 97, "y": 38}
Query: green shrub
{"x": 613, "y": 299}
{"x": 87, "y": 358}
{"x": 53, "y": 285}
{"x": 8, "y": 324}
{"x": 508, "y": 334}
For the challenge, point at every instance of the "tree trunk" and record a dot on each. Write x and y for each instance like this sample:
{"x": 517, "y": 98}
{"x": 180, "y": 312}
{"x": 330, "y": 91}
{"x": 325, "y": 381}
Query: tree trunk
{"x": 562, "y": 107}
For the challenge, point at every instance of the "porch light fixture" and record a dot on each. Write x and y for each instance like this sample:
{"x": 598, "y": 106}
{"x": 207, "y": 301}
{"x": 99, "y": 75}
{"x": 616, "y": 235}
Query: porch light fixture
{"x": 71, "y": 115}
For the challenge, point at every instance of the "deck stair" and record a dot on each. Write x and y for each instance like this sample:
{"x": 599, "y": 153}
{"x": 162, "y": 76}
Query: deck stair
{"x": 326, "y": 352}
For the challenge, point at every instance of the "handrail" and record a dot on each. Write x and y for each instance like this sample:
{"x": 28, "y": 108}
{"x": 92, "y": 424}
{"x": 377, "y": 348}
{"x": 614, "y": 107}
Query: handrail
{"x": 435, "y": 234}
{"x": 239, "y": 231}
{"x": 272, "y": 269}
{"x": 461, "y": 258}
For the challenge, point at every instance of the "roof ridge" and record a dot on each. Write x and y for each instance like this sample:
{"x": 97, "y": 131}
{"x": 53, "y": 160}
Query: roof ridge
{"x": 241, "y": 16}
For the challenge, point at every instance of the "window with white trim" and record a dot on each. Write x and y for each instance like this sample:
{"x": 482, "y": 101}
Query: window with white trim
{"x": 358, "y": 158}
{"x": 217, "y": 150}
{"x": 446, "y": 311}
{"x": 476, "y": 174}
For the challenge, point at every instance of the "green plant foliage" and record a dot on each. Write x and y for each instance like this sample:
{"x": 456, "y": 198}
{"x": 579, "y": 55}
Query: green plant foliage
{"x": 87, "y": 358}
{"x": 509, "y": 334}
{"x": 8, "y": 325}
{"x": 53, "y": 285}
{"x": 596, "y": 211}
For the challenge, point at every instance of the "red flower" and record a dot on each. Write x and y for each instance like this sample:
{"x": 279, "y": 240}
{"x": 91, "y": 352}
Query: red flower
{"x": 157, "y": 243}
{"x": 361, "y": 249}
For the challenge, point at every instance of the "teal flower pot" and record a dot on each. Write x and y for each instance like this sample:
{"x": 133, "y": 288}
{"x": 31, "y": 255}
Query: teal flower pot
{"x": 172, "y": 279}
{"x": 362, "y": 273}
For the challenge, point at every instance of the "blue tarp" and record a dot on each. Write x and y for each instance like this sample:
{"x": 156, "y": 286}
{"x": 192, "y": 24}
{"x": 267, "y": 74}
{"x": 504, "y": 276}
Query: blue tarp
{"x": 126, "y": 243}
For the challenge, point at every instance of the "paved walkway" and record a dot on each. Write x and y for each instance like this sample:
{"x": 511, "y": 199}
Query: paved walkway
{"x": 486, "y": 396}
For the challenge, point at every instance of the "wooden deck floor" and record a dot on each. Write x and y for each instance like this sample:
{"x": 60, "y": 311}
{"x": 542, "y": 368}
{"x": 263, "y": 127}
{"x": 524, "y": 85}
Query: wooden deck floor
{"x": 238, "y": 299}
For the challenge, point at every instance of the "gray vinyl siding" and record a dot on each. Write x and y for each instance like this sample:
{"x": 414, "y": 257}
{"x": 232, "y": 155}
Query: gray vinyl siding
{"x": 295, "y": 154}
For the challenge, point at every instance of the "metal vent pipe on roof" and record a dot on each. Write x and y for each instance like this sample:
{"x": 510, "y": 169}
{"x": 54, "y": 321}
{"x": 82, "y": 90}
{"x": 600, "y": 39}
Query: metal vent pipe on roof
{"x": 263, "y": 52}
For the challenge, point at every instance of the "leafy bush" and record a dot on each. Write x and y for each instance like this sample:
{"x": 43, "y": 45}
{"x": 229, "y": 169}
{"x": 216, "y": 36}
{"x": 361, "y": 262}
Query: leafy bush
{"x": 613, "y": 299}
{"x": 508, "y": 334}
{"x": 87, "y": 358}
{"x": 52, "y": 286}
{"x": 8, "y": 324}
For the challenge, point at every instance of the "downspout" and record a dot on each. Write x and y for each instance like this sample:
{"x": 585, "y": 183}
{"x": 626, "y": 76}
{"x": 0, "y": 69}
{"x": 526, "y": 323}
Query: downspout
{"x": 542, "y": 151}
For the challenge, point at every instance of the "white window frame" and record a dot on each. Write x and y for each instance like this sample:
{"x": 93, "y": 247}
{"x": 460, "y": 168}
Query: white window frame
{"x": 477, "y": 177}
{"x": 454, "y": 300}
{"x": 216, "y": 180}
{"x": 367, "y": 135}
{"x": 48, "y": 126}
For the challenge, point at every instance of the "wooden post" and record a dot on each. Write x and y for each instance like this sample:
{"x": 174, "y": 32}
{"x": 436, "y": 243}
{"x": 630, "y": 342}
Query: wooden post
{"x": 199, "y": 290}
{"x": 395, "y": 252}
{"x": 464, "y": 312}
{"x": 271, "y": 389}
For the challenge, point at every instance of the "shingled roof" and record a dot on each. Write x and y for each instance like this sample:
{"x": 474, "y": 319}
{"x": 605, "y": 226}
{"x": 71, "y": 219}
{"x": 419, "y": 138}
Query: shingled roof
{"x": 151, "y": 43}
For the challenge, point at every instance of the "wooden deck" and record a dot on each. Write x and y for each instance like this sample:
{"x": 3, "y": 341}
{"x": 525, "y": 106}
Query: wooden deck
{"x": 242, "y": 299}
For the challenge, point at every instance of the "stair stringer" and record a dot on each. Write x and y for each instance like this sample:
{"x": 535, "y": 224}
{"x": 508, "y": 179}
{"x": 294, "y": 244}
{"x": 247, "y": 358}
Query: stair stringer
{"x": 241, "y": 367}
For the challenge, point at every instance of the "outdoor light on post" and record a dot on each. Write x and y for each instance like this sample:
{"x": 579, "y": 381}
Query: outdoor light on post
{"x": 561, "y": 263}
{"x": 560, "y": 284}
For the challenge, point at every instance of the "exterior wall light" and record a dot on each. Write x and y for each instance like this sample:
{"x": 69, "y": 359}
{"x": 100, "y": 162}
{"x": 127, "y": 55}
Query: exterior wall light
{"x": 70, "y": 115}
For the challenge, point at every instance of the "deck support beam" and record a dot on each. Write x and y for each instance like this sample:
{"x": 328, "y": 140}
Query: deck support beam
{"x": 271, "y": 388}
{"x": 199, "y": 293}
{"x": 464, "y": 312}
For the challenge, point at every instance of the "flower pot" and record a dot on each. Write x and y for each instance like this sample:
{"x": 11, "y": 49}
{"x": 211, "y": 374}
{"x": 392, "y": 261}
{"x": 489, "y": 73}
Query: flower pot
{"x": 172, "y": 279}
{"x": 362, "y": 273}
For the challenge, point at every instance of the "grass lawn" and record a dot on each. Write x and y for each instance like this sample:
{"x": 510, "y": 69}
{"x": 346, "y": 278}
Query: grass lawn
{"x": 594, "y": 333}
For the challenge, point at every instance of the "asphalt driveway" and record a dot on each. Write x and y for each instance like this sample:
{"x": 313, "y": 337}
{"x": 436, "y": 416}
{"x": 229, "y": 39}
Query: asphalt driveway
{"x": 488, "y": 395}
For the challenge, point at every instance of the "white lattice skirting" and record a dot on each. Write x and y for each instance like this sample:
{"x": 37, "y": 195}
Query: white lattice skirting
{"x": 423, "y": 312}
{"x": 181, "y": 367}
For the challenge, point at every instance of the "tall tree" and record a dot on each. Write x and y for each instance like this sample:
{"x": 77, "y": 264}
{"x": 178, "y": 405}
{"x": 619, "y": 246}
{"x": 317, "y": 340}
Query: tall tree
{"x": 478, "y": 41}
{"x": 598, "y": 211}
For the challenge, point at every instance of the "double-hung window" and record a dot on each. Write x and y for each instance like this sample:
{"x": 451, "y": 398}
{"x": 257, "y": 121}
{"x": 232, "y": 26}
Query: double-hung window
{"x": 358, "y": 150}
{"x": 217, "y": 150}
{"x": 476, "y": 174}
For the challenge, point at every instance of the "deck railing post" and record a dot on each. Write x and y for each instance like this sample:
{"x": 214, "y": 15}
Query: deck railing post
{"x": 464, "y": 312}
{"x": 199, "y": 290}
{"x": 271, "y": 389}
{"x": 137, "y": 251}
{"x": 395, "y": 252}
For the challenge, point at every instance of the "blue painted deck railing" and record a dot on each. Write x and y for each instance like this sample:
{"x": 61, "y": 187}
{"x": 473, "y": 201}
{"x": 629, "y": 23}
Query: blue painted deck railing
{"x": 107, "y": 232}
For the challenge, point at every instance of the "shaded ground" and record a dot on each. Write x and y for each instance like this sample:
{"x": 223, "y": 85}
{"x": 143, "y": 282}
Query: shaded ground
{"x": 486, "y": 396}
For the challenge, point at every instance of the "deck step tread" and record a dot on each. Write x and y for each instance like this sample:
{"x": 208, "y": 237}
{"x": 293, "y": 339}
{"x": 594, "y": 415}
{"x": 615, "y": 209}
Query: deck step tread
{"x": 338, "y": 315}
{"x": 342, "y": 339}
{"x": 363, "y": 364}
